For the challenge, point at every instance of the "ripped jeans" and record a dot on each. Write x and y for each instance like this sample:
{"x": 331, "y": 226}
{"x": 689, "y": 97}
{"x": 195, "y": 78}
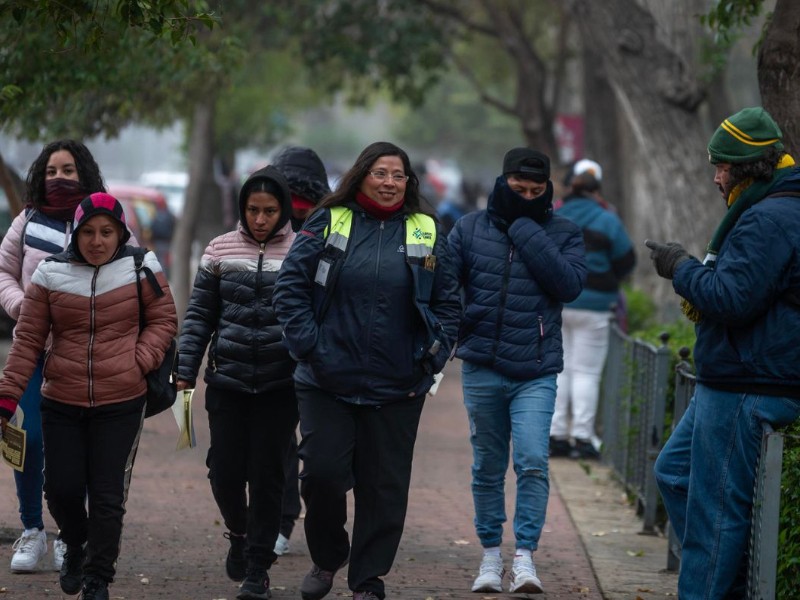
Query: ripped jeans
{"x": 503, "y": 410}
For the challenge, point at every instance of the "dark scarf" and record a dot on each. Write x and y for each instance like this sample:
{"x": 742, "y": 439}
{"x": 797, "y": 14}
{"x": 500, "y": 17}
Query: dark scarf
{"x": 376, "y": 210}
{"x": 505, "y": 205}
{"x": 742, "y": 197}
{"x": 62, "y": 197}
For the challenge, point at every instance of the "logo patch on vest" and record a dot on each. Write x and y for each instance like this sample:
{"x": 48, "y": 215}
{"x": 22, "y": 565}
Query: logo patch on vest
{"x": 418, "y": 234}
{"x": 401, "y": 248}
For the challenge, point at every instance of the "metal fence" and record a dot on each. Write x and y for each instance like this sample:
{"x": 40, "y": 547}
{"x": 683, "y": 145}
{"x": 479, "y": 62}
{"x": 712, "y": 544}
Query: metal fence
{"x": 635, "y": 394}
{"x": 633, "y": 419}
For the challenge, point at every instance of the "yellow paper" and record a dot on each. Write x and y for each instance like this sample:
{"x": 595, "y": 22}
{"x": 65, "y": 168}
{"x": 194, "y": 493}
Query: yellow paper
{"x": 12, "y": 446}
{"x": 182, "y": 410}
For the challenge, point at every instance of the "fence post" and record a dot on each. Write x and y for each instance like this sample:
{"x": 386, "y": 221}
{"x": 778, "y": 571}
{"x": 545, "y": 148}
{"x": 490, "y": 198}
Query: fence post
{"x": 655, "y": 435}
{"x": 684, "y": 388}
{"x": 761, "y": 580}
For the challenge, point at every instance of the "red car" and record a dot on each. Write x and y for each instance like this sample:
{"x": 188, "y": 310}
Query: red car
{"x": 148, "y": 216}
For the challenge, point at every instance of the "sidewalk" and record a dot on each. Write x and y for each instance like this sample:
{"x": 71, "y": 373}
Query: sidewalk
{"x": 173, "y": 548}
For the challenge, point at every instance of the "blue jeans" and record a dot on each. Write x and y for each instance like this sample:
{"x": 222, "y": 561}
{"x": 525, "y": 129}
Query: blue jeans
{"x": 502, "y": 411}
{"x": 31, "y": 480}
{"x": 707, "y": 482}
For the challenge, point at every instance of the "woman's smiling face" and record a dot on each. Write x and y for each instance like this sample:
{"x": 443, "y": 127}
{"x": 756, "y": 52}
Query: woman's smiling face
{"x": 391, "y": 188}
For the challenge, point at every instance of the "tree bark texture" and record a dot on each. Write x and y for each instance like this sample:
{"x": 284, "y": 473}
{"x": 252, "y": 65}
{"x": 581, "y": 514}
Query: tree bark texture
{"x": 201, "y": 154}
{"x": 672, "y": 198}
{"x": 779, "y": 71}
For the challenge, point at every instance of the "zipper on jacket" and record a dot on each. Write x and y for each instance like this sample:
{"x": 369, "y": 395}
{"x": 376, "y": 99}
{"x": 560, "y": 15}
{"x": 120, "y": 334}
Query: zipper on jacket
{"x": 540, "y": 318}
{"x": 501, "y": 305}
{"x": 259, "y": 273}
{"x": 374, "y": 287}
{"x": 92, "y": 324}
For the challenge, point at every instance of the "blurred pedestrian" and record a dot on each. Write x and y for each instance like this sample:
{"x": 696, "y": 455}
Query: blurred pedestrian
{"x": 63, "y": 174}
{"x": 82, "y": 307}
{"x": 368, "y": 301}
{"x": 517, "y": 263}
{"x": 586, "y": 321}
{"x": 744, "y": 298}
{"x": 308, "y": 182}
{"x": 250, "y": 399}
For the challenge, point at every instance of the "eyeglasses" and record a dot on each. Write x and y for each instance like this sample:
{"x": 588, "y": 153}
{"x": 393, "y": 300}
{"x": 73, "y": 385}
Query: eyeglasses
{"x": 382, "y": 175}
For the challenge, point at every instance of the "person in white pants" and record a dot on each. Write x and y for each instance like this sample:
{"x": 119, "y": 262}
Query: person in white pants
{"x": 586, "y": 320}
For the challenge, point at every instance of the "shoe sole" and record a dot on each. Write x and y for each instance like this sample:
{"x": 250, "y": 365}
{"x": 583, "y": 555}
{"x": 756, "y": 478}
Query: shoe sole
{"x": 488, "y": 588}
{"x": 253, "y": 596}
{"x": 528, "y": 587}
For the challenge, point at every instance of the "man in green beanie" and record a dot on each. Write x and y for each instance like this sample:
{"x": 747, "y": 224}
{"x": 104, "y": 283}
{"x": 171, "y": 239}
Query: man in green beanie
{"x": 745, "y": 300}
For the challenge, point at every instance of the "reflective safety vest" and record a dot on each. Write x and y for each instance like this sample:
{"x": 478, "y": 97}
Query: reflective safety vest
{"x": 419, "y": 242}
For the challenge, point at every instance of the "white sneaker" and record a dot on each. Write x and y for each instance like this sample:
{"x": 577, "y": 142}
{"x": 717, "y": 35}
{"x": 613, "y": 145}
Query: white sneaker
{"x": 523, "y": 577}
{"x": 281, "y": 545}
{"x": 29, "y": 550}
{"x": 59, "y": 550}
{"x": 490, "y": 576}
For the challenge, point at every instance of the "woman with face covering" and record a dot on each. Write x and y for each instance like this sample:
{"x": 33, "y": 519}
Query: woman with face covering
{"x": 62, "y": 175}
{"x": 252, "y": 409}
{"x": 82, "y": 305}
{"x": 369, "y": 304}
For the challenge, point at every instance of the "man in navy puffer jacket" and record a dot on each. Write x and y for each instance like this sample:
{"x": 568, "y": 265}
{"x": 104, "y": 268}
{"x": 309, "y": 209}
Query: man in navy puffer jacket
{"x": 518, "y": 263}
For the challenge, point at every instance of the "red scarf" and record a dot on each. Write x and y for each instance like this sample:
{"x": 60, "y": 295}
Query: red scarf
{"x": 62, "y": 197}
{"x": 378, "y": 210}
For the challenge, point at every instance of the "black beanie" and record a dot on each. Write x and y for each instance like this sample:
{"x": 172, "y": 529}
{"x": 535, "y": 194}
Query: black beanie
{"x": 304, "y": 172}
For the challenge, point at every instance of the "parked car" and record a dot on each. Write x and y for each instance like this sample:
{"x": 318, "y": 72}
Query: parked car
{"x": 149, "y": 217}
{"x": 170, "y": 183}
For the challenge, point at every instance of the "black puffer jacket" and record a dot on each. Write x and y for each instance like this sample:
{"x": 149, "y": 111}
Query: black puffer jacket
{"x": 231, "y": 312}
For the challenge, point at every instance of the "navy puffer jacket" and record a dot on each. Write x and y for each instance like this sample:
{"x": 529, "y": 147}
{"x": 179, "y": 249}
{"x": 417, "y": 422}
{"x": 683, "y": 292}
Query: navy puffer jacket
{"x": 750, "y": 301}
{"x": 515, "y": 284}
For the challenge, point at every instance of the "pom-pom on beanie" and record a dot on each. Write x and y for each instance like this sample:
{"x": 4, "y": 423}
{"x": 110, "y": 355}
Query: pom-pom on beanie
{"x": 744, "y": 137}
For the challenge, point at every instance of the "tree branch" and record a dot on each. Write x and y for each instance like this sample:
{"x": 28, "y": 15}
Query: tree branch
{"x": 447, "y": 11}
{"x": 487, "y": 98}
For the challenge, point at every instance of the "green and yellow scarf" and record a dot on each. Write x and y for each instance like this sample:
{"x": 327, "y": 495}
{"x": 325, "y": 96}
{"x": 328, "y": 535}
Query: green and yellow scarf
{"x": 742, "y": 197}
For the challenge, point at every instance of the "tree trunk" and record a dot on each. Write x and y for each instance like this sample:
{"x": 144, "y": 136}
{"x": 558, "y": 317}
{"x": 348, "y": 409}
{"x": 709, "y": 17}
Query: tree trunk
{"x": 12, "y": 187}
{"x": 200, "y": 201}
{"x": 674, "y": 199}
{"x": 602, "y": 129}
{"x": 779, "y": 71}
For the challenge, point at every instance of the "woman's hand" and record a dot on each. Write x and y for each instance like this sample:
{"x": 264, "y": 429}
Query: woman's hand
{"x": 182, "y": 384}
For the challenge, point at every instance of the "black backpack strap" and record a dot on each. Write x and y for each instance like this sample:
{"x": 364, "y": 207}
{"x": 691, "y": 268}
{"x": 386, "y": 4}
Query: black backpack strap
{"x": 138, "y": 265}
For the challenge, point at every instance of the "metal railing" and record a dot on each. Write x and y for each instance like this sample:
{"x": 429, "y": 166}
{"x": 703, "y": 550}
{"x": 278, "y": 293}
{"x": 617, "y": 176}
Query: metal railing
{"x": 634, "y": 392}
{"x": 633, "y": 420}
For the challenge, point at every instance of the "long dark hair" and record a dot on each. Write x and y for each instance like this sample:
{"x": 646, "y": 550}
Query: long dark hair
{"x": 350, "y": 182}
{"x": 88, "y": 171}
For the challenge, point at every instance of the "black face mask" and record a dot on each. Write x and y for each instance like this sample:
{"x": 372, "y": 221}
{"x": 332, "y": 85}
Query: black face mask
{"x": 505, "y": 205}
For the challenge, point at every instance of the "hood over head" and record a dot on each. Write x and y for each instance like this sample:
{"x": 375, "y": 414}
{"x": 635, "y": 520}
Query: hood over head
{"x": 271, "y": 181}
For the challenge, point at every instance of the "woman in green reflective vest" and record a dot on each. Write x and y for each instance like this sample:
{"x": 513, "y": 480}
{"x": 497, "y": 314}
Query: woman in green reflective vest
{"x": 368, "y": 300}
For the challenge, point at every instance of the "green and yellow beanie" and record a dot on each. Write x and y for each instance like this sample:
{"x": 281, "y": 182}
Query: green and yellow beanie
{"x": 744, "y": 137}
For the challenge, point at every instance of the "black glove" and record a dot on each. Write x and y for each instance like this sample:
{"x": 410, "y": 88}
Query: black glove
{"x": 667, "y": 257}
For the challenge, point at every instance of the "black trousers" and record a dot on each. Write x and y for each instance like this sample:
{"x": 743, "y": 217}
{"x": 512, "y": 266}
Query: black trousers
{"x": 246, "y": 457}
{"x": 370, "y": 448}
{"x": 89, "y": 454}
{"x": 291, "y": 491}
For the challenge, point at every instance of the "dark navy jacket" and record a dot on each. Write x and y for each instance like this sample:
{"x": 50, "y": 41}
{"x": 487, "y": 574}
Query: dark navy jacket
{"x": 515, "y": 284}
{"x": 362, "y": 348}
{"x": 749, "y": 337}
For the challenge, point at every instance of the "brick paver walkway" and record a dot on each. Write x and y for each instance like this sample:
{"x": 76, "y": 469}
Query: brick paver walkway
{"x": 173, "y": 545}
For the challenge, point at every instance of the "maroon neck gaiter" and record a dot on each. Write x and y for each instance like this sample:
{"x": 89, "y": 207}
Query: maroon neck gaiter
{"x": 62, "y": 197}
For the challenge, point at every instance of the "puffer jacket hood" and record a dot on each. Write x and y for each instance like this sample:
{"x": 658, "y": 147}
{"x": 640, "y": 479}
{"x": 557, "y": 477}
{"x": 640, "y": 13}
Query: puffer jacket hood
{"x": 304, "y": 172}
{"x": 267, "y": 174}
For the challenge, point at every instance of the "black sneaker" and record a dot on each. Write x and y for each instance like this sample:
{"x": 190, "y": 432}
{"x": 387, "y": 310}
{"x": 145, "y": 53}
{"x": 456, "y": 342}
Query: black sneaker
{"x": 317, "y": 583}
{"x": 255, "y": 586}
{"x": 365, "y": 596}
{"x": 236, "y": 563}
{"x": 559, "y": 447}
{"x": 94, "y": 588}
{"x": 71, "y": 574}
{"x": 584, "y": 449}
